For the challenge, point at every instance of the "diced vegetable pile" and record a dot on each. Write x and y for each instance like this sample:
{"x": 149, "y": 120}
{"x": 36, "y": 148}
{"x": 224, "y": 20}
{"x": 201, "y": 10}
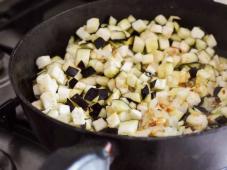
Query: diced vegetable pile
{"x": 135, "y": 77}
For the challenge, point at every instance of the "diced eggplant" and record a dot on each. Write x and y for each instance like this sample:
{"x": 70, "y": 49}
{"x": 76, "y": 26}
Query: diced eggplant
{"x": 124, "y": 24}
{"x": 216, "y": 91}
{"x": 83, "y": 34}
{"x": 148, "y": 59}
{"x": 163, "y": 43}
{"x": 139, "y": 25}
{"x": 82, "y": 55}
{"x": 72, "y": 83}
{"x": 152, "y": 84}
{"x": 117, "y": 35}
{"x": 63, "y": 109}
{"x": 113, "y": 120}
{"x": 127, "y": 66}
{"x": 133, "y": 96}
{"x": 102, "y": 80}
{"x": 145, "y": 92}
{"x": 92, "y": 25}
{"x": 38, "y": 104}
{"x": 168, "y": 29}
{"x": 88, "y": 72}
{"x": 43, "y": 61}
{"x": 70, "y": 104}
{"x": 46, "y": 83}
{"x": 153, "y": 95}
{"x": 80, "y": 101}
{"x": 189, "y": 58}
{"x": 193, "y": 72}
{"x": 184, "y": 47}
{"x": 119, "y": 106}
{"x": 36, "y": 90}
{"x": 56, "y": 72}
{"x": 99, "y": 43}
{"x": 200, "y": 44}
{"x": 63, "y": 93}
{"x": 197, "y": 33}
{"x": 53, "y": 113}
{"x": 49, "y": 100}
{"x": 71, "y": 71}
{"x": 99, "y": 124}
{"x": 135, "y": 114}
{"x": 161, "y": 19}
{"x": 151, "y": 44}
{"x": 210, "y": 40}
{"x": 131, "y": 18}
{"x": 138, "y": 45}
{"x": 128, "y": 127}
{"x": 156, "y": 28}
{"x": 104, "y": 33}
{"x": 160, "y": 84}
{"x": 221, "y": 120}
{"x": 202, "y": 109}
{"x": 183, "y": 33}
{"x": 78, "y": 116}
{"x": 81, "y": 65}
{"x": 96, "y": 108}
{"x": 112, "y": 21}
{"x": 91, "y": 94}
{"x": 103, "y": 94}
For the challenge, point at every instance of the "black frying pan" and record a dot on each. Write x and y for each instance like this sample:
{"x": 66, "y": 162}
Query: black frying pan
{"x": 203, "y": 151}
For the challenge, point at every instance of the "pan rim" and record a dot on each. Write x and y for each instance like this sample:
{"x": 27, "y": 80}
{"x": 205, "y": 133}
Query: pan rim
{"x": 80, "y": 130}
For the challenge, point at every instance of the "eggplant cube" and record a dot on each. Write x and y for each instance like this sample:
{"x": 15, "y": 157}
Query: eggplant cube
{"x": 43, "y": 61}
{"x": 55, "y": 71}
{"x": 78, "y": 116}
{"x": 113, "y": 120}
{"x": 49, "y": 100}
{"x": 139, "y": 25}
{"x": 128, "y": 127}
{"x": 99, "y": 124}
{"x": 138, "y": 45}
{"x": 82, "y": 55}
{"x": 92, "y": 25}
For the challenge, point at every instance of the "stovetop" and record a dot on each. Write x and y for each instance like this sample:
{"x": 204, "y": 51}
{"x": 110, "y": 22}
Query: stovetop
{"x": 19, "y": 148}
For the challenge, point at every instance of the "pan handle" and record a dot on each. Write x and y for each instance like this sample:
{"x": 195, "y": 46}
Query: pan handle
{"x": 86, "y": 156}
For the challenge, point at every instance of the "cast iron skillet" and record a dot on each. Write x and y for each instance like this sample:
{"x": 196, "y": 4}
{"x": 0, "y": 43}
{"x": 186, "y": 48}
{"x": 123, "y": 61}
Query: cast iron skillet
{"x": 201, "y": 151}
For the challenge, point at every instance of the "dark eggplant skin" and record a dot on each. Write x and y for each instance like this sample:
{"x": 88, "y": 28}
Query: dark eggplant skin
{"x": 72, "y": 83}
{"x": 199, "y": 151}
{"x": 153, "y": 94}
{"x": 221, "y": 120}
{"x": 100, "y": 43}
{"x": 152, "y": 84}
{"x": 193, "y": 71}
{"x": 71, "y": 71}
{"x": 96, "y": 108}
{"x": 81, "y": 65}
{"x": 87, "y": 72}
{"x": 103, "y": 94}
{"x": 217, "y": 90}
{"x": 145, "y": 92}
{"x": 80, "y": 101}
{"x": 202, "y": 109}
{"x": 91, "y": 94}
{"x": 70, "y": 104}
